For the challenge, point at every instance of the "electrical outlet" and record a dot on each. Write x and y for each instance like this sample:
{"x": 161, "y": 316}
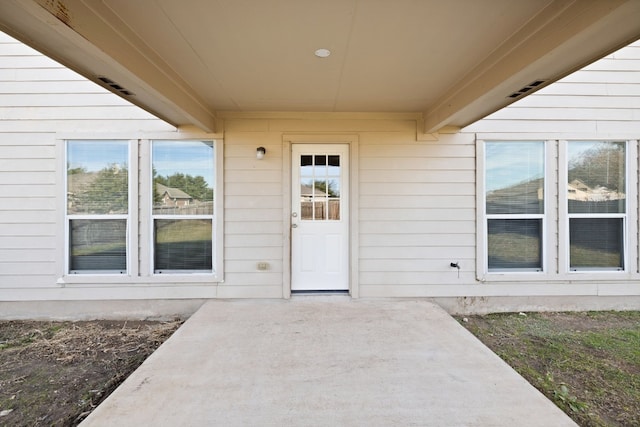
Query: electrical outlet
{"x": 262, "y": 266}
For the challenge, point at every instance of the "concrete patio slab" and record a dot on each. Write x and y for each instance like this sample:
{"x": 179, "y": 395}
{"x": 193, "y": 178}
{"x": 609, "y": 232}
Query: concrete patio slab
{"x": 324, "y": 361}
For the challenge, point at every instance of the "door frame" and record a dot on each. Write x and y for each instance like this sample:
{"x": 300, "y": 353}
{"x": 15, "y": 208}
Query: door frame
{"x": 352, "y": 141}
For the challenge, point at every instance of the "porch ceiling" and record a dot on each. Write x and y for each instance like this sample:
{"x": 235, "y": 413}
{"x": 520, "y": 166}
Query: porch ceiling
{"x": 452, "y": 61}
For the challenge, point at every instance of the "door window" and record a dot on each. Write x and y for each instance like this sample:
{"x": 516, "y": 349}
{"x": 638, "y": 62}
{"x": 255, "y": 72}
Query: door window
{"x": 320, "y": 183}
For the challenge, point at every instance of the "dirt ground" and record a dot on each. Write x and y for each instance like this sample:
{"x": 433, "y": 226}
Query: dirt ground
{"x": 56, "y": 373}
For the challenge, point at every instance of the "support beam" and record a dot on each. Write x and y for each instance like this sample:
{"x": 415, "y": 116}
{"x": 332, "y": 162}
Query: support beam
{"x": 564, "y": 37}
{"x": 112, "y": 57}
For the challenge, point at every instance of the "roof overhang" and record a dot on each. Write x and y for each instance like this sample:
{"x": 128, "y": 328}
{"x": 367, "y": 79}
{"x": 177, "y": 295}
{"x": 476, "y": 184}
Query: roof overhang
{"x": 453, "y": 62}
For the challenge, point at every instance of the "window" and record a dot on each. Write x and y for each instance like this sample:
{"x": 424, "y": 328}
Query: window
{"x": 320, "y": 187}
{"x": 585, "y": 222}
{"x": 140, "y": 211}
{"x": 183, "y": 206}
{"x": 596, "y": 205}
{"x": 514, "y": 205}
{"x": 97, "y": 207}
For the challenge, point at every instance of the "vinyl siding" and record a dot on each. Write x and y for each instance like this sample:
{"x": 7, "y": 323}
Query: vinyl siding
{"x": 39, "y": 99}
{"x": 38, "y": 95}
{"x": 416, "y": 203}
{"x": 413, "y": 214}
{"x": 417, "y": 212}
{"x": 253, "y": 214}
{"x": 601, "y": 99}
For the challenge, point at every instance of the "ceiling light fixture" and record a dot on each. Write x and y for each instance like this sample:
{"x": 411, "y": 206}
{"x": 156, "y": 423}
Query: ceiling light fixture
{"x": 322, "y": 53}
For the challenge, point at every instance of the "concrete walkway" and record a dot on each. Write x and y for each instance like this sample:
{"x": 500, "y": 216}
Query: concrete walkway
{"x": 324, "y": 361}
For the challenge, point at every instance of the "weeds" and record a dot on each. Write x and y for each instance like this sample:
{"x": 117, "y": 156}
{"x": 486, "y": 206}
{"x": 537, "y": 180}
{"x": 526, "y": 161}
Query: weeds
{"x": 561, "y": 396}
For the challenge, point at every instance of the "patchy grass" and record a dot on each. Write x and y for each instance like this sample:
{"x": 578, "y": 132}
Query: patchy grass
{"x": 587, "y": 363}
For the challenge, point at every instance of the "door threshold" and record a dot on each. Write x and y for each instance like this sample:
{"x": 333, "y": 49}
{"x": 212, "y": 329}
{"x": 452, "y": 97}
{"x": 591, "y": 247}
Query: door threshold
{"x": 319, "y": 292}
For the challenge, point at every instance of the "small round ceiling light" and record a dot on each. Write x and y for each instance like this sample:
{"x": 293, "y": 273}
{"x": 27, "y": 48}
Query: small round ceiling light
{"x": 322, "y": 53}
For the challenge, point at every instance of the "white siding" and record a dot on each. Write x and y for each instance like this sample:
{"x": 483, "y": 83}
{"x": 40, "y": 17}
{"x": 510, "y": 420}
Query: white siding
{"x": 38, "y": 100}
{"x": 416, "y": 204}
{"x": 38, "y": 95}
{"x": 601, "y": 99}
{"x": 417, "y": 212}
{"x": 253, "y": 214}
{"x": 414, "y": 209}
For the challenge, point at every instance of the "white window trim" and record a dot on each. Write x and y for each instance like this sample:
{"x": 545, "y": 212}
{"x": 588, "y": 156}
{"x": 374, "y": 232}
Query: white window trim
{"x": 146, "y": 233}
{"x": 153, "y": 217}
{"x": 482, "y": 251}
{"x": 557, "y": 245}
{"x": 138, "y": 238}
{"x": 630, "y": 228}
{"x": 67, "y": 255}
{"x": 130, "y": 217}
{"x": 543, "y": 233}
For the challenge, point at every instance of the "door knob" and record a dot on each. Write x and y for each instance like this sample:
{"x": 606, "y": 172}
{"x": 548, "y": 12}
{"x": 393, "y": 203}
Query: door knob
{"x": 294, "y": 225}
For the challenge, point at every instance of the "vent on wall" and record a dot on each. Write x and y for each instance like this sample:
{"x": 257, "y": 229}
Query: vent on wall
{"x": 115, "y": 86}
{"x": 527, "y": 88}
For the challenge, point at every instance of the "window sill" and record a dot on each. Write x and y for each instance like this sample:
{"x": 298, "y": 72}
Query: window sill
{"x": 117, "y": 279}
{"x": 598, "y": 276}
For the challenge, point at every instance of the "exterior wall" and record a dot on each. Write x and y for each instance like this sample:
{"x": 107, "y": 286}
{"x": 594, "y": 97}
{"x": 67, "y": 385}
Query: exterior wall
{"x": 414, "y": 197}
{"x": 39, "y": 100}
{"x": 414, "y": 205}
{"x": 417, "y": 210}
{"x": 601, "y": 100}
{"x": 253, "y": 209}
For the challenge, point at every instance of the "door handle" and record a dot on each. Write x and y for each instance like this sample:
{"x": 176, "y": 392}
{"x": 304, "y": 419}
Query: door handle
{"x": 294, "y": 225}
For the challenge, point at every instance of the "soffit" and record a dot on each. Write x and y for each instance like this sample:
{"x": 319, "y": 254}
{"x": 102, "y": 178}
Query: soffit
{"x": 453, "y": 61}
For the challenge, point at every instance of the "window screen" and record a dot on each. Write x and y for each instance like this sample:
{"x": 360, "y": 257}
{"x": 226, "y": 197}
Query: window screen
{"x": 596, "y": 243}
{"x": 183, "y": 244}
{"x": 514, "y": 243}
{"x": 98, "y": 245}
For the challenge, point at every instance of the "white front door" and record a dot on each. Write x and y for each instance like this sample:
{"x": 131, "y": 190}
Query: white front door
{"x": 320, "y": 217}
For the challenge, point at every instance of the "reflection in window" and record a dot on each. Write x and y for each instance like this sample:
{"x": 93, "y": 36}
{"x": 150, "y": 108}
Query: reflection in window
{"x": 515, "y": 178}
{"x": 97, "y": 207}
{"x": 183, "y": 205}
{"x": 183, "y": 176}
{"x": 97, "y": 177}
{"x": 596, "y": 179}
{"x": 596, "y": 200}
{"x": 514, "y": 205}
{"x": 320, "y": 181}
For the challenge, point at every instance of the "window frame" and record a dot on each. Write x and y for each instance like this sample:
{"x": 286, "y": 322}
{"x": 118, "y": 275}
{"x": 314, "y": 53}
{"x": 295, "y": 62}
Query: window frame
{"x": 70, "y": 217}
{"x": 483, "y": 222}
{"x": 138, "y": 231}
{"x": 565, "y": 216}
{"x": 153, "y": 217}
{"x": 556, "y": 208}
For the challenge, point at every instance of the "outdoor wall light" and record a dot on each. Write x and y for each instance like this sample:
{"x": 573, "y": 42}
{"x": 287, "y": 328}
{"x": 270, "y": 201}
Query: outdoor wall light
{"x": 260, "y": 152}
